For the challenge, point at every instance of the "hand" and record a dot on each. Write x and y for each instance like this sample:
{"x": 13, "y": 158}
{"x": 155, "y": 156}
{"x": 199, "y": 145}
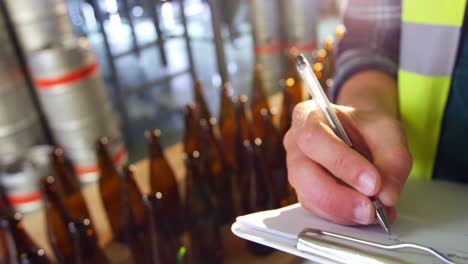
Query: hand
{"x": 319, "y": 162}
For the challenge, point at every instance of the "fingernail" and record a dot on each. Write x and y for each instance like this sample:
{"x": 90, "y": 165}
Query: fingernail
{"x": 389, "y": 198}
{"x": 367, "y": 183}
{"x": 362, "y": 213}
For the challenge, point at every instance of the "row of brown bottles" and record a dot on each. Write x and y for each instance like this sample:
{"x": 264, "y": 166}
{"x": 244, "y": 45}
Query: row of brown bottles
{"x": 73, "y": 240}
{"x": 150, "y": 225}
{"x": 202, "y": 220}
{"x": 255, "y": 169}
{"x": 235, "y": 168}
{"x": 202, "y": 134}
{"x": 163, "y": 183}
{"x": 324, "y": 65}
{"x": 112, "y": 190}
{"x": 251, "y": 148}
{"x": 67, "y": 182}
{"x": 16, "y": 246}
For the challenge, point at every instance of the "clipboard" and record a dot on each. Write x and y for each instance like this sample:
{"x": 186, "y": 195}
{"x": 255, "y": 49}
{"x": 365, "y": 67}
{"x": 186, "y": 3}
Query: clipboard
{"x": 431, "y": 214}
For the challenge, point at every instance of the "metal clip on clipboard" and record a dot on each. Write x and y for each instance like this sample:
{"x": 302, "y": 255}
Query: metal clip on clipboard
{"x": 343, "y": 248}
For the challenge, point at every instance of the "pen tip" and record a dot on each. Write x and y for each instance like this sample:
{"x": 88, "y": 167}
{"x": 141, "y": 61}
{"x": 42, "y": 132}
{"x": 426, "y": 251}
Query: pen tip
{"x": 381, "y": 216}
{"x": 301, "y": 61}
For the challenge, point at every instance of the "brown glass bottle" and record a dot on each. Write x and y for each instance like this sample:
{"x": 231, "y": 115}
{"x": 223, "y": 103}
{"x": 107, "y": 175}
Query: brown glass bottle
{"x": 86, "y": 242}
{"x": 340, "y": 31}
{"x": 287, "y": 108}
{"x": 243, "y": 132}
{"x": 274, "y": 160}
{"x": 73, "y": 240}
{"x": 5, "y": 205}
{"x": 74, "y": 199}
{"x": 137, "y": 221}
{"x": 280, "y": 157}
{"x": 318, "y": 69}
{"x": 58, "y": 218}
{"x": 113, "y": 194}
{"x": 227, "y": 124}
{"x": 259, "y": 191}
{"x": 26, "y": 250}
{"x": 243, "y": 122}
{"x": 191, "y": 134}
{"x": 163, "y": 182}
{"x": 202, "y": 105}
{"x": 37, "y": 257}
{"x": 7, "y": 245}
{"x": 218, "y": 174}
{"x": 164, "y": 245}
{"x": 258, "y": 101}
{"x": 206, "y": 244}
{"x": 293, "y": 78}
{"x": 329, "y": 66}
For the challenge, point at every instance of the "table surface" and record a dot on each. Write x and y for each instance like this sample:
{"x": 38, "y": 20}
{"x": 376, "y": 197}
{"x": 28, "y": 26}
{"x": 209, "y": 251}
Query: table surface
{"x": 235, "y": 252}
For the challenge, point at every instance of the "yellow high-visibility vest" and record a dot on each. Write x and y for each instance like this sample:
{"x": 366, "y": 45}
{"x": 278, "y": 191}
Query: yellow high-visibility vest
{"x": 430, "y": 35}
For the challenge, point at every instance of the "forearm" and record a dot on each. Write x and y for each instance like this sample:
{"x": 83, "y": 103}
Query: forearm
{"x": 370, "y": 91}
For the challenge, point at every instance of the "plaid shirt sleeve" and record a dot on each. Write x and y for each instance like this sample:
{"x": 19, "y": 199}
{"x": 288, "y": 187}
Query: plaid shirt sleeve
{"x": 372, "y": 40}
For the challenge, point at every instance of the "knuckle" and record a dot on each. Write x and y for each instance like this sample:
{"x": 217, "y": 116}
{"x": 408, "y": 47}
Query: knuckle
{"x": 400, "y": 158}
{"x": 288, "y": 140}
{"x": 292, "y": 167}
{"x": 302, "y": 112}
{"x": 339, "y": 162}
{"x": 326, "y": 203}
{"x": 299, "y": 114}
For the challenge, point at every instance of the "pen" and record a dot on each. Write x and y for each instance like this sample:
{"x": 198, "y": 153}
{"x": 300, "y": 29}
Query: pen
{"x": 334, "y": 123}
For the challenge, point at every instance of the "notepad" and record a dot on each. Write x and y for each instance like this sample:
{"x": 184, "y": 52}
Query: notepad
{"x": 433, "y": 214}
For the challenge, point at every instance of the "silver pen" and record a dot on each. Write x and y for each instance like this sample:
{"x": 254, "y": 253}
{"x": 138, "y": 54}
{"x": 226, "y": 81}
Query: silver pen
{"x": 316, "y": 91}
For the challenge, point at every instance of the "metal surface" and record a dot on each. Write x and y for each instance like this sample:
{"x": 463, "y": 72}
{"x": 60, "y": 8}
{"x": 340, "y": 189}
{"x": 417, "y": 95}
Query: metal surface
{"x": 159, "y": 34}
{"x": 44, "y": 33}
{"x": 19, "y": 122}
{"x": 17, "y": 142}
{"x": 75, "y": 102}
{"x": 15, "y": 107}
{"x": 299, "y": 21}
{"x": 264, "y": 17}
{"x": 316, "y": 241}
{"x": 273, "y": 69}
{"x": 21, "y": 184}
{"x": 120, "y": 97}
{"x": 188, "y": 48}
{"x": 26, "y": 11}
{"x": 126, "y": 10}
{"x": 218, "y": 41}
{"x": 40, "y": 24}
{"x": 268, "y": 48}
{"x": 84, "y": 159}
{"x": 71, "y": 55}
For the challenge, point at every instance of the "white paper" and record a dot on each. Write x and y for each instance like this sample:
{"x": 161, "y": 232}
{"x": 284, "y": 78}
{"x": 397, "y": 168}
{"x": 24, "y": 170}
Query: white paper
{"x": 433, "y": 214}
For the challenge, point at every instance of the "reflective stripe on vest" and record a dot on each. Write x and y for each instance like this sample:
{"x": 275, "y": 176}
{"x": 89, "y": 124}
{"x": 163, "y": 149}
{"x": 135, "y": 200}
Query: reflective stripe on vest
{"x": 430, "y": 34}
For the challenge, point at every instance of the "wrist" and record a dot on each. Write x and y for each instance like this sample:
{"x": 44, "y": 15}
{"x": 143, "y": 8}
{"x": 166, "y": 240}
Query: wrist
{"x": 370, "y": 90}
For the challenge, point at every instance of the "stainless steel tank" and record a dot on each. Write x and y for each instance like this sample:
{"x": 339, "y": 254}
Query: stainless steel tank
{"x": 20, "y": 127}
{"x": 40, "y": 23}
{"x": 299, "y": 19}
{"x": 75, "y": 102}
{"x": 268, "y": 46}
{"x": 20, "y": 181}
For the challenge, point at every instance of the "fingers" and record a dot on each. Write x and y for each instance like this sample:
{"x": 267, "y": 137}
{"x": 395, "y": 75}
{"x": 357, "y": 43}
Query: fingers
{"x": 316, "y": 158}
{"x": 391, "y": 157}
{"x": 320, "y": 144}
{"x": 323, "y": 195}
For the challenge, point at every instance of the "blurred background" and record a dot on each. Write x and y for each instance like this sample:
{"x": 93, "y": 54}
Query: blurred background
{"x": 149, "y": 49}
{"x": 142, "y": 49}
{"x": 72, "y": 71}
